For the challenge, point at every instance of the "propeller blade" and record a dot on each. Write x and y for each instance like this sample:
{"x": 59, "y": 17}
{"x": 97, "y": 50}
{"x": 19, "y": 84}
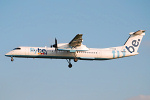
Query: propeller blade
{"x": 55, "y": 45}
{"x": 56, "y": 42}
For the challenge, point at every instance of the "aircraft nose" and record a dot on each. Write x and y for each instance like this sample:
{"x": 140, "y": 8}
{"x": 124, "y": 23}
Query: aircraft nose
{"x": 8, "y": 54}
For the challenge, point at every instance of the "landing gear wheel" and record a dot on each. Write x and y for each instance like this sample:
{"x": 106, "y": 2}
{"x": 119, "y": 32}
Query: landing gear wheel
{"x": 75, "y": 59}
{"x": 70, "y": 65}
{"x": 12, "y": 59}
{"x": 69, "y": 61}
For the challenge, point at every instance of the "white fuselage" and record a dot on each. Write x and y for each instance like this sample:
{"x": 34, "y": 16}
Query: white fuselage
{"x": 91, "y": 54}
{"x": 77, "y": 51}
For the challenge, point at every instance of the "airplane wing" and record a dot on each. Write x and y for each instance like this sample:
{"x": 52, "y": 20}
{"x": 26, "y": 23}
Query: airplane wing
{"x": 76, "y": 41}
{"x": 74, "y": 45}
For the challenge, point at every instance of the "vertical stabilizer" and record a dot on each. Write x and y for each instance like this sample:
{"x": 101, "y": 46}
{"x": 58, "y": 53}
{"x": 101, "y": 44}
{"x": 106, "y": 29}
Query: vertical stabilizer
{"x": 133, "y": 42}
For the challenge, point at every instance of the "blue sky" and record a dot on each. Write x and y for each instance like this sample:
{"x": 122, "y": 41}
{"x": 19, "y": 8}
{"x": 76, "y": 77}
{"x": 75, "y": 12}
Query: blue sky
{"x": 103, "y": 24}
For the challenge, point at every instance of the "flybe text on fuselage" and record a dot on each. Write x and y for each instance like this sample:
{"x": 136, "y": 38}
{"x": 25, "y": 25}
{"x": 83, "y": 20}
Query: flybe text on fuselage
{"x": 39, "y": 51}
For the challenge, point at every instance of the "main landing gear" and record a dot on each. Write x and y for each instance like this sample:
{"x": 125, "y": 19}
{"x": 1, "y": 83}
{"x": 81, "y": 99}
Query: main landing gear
{"x": 75, "y": 59}
{"x": 69, "y": 61}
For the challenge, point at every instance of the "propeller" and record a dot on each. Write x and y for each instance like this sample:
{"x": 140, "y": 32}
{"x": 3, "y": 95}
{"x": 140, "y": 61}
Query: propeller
{"x": 55, "y": 45}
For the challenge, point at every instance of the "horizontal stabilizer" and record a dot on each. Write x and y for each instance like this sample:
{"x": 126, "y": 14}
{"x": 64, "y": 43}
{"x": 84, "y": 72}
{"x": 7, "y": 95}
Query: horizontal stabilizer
{"x": 139, "y": 32}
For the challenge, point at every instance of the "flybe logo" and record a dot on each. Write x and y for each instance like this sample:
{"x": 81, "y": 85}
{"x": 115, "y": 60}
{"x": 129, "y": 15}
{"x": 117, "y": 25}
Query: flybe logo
{"x": 135, "y": 43}
{"x": 39, "y": 51}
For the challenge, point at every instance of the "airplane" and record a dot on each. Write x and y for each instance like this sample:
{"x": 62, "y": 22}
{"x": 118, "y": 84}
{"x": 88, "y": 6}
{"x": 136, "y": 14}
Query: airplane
{"x": 75, "y": 50}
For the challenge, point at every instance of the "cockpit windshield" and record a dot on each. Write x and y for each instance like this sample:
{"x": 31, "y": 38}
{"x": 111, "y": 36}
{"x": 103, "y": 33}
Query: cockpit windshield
{"x": 17, "y": 49}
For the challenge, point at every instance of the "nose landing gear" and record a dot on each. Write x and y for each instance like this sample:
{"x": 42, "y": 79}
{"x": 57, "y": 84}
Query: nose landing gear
{"x": 12, "y": 59}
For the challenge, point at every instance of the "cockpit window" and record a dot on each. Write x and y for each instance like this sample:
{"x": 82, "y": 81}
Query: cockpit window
{"x": 17, "y": 49}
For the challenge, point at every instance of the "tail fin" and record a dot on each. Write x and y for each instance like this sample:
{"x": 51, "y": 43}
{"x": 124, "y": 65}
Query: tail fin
{"x": 133, "y": 42}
